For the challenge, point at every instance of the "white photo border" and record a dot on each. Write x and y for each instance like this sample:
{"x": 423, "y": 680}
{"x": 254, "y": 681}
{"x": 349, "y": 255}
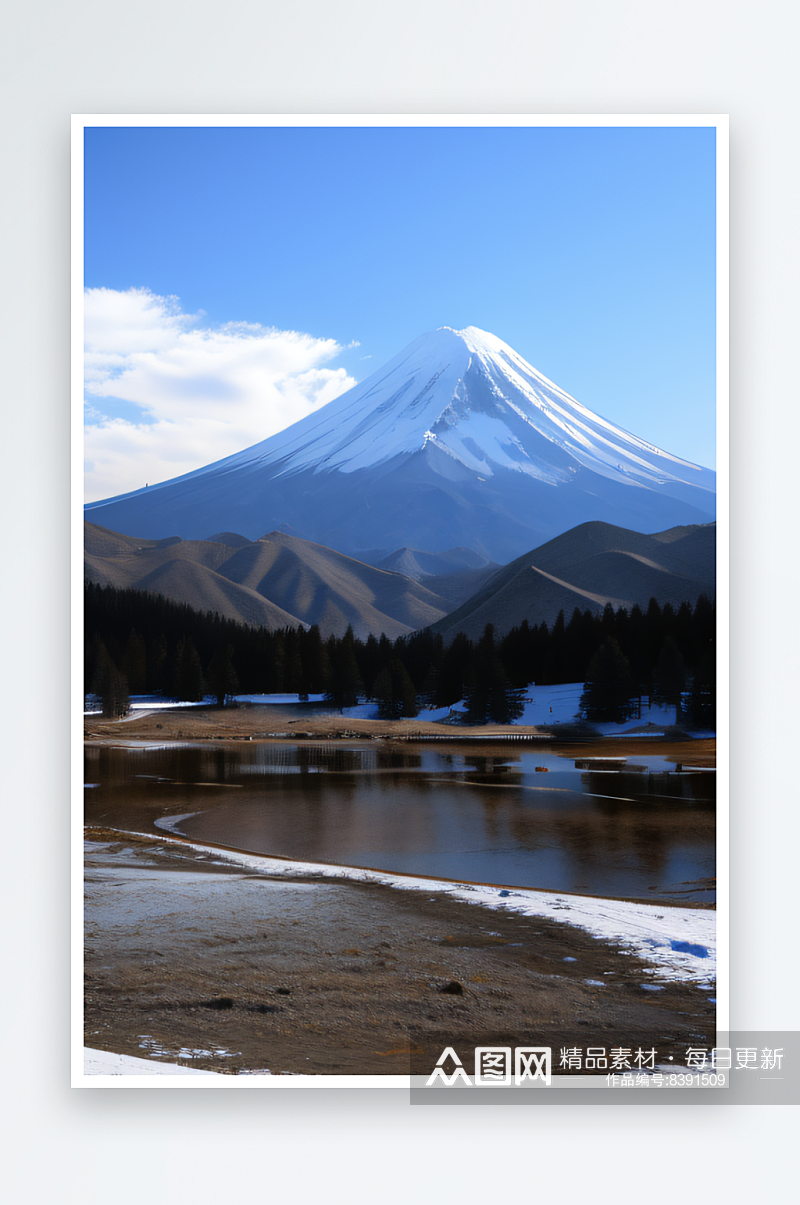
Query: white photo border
{"x": 80, "y": 122}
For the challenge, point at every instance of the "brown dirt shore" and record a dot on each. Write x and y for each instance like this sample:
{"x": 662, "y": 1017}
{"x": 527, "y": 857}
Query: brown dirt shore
{"x": 189, "y": 959}
{"x": 262, "y": 723}
{"x": 259, "y": 723}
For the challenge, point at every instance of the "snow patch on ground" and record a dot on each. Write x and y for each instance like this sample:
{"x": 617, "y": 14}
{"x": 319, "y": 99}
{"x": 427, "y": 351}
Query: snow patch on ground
{"x": 102, "y": 1062}
{"x": 561, "y": 704}
{"x": 277, "y": 700}
{"x": 141, "y": 703}
{"x": 544, "y": 706}
{"x": 679, "y": 943}
{"x": 170, "y": 823}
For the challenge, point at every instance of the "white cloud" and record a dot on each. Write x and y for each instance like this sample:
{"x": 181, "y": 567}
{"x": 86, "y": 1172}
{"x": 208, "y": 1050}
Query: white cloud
{"x": 203, "y": 392}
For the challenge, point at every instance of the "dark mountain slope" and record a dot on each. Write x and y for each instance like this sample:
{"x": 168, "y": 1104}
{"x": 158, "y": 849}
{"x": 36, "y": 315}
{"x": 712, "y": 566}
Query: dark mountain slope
{"x": 588, "y": 567}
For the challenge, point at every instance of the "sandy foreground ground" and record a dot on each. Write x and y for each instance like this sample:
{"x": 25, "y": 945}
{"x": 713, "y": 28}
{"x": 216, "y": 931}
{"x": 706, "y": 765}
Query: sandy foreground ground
{"x": 194, "y": 961}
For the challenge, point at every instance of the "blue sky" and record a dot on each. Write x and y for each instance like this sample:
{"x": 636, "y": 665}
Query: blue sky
{"x": 590, "y": 250}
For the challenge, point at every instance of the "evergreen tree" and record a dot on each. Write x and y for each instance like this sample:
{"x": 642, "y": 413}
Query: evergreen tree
{"x": 136, "y": 663}
{"x": 293, "y": 673}
{"x": 685, "y": 634}
{"x": 609, "y": 686}
{"x": 515, "y": 654}
{"x": 654, "y": 638}
{"x": 92, "y": 647}
{"x": 490, "y": 696}
{"x": 148, "y": 637}
{"x": 346, "y": 684}
{"x": 476, "y": 696}
{"x": 581, "y": 641}
{"x": 477, "y": 683}
{"x": 115, "y": 694}
{"x": 670, "y": 676}
{"x": 669, "y": 620}
{"x": 404, "y": 689}
{"x": 110, "y": 684}
{"x": 506, "y": 701}
{"x": 608, "y": 623}
{"x": 316, "y": 664}
{"x": 637, "y": 651}
{"x": 156, "y": 663}
{"x": 189, "y": 685}
{"x": 371, "y": 663}
{"x": 394, "y": 692}
{"x": 430, "y": 687}
{"x": 222, "y": 679}
{"x": 705, "y": 625}
{"x": 423, "y": 658}
{"x": 703, "y": 701}
{"x": 555, "y": 654}
{"x": 453, "y": 671}
{"x": 276, "y": 675}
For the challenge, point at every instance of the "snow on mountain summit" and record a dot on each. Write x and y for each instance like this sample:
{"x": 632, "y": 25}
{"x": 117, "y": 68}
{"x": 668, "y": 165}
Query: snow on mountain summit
{"x": 472, "y": 397}
{"x": 456, "y": 441}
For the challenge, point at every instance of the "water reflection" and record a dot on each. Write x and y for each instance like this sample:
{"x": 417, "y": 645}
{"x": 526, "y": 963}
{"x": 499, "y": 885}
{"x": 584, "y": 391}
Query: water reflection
{"x": 528, "y": 819}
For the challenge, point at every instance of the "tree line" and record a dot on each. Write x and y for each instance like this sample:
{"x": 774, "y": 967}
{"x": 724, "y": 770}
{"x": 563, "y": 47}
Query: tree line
{"x": 139, "y": 643}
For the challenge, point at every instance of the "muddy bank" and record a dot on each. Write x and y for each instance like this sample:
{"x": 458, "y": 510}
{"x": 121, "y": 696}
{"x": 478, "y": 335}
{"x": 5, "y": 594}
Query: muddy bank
{"x": 261, "y": 722}
{"x": 221, "y": 726}
{"x": 264, "y": 723}
{"x": 189, "y": 959}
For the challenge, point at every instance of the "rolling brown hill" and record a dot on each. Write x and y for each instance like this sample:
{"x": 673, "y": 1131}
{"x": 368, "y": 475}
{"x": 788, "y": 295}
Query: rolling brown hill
{"x": 281, "y": 581}
{"x": 330, "y": 589}
{"x": 278, "y": 581}
{"x": 587, "y": 567}
{"x": 188, "y": 581}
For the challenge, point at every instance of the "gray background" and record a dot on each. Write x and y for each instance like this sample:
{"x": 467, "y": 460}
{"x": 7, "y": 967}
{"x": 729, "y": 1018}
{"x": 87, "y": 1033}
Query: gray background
{"x": 577, "y": 56}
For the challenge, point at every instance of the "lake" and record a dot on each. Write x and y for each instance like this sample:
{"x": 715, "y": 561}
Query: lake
{"x": 640, "y": 828}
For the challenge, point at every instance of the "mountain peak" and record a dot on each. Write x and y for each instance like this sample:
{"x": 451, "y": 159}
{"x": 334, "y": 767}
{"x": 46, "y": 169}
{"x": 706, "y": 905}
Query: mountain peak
{"x": 478, "y": 340}
{"x": 468, "y": 396}
{"x": 468, "y": 431}
{"x": 471, "y": 340}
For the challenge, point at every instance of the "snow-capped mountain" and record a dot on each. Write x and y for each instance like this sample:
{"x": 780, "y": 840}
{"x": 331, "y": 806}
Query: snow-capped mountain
{"x": 456, "y": 441}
